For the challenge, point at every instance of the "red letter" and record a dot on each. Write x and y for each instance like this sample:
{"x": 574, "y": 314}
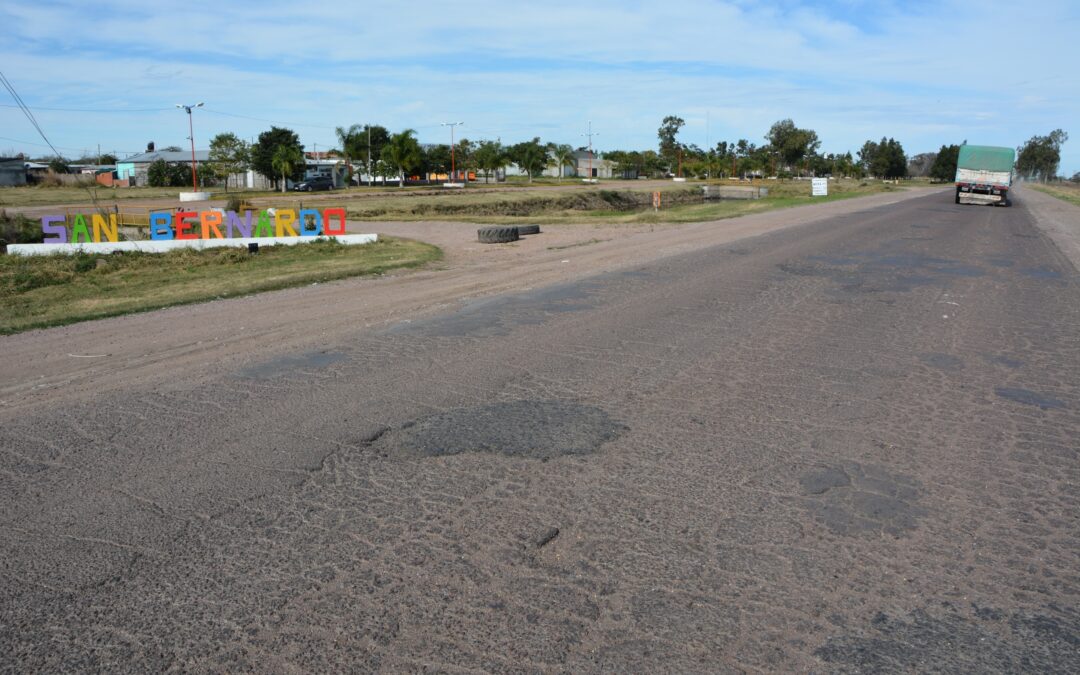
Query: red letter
{"x": 333, "y": 231}
{"x": 182, "y": 225}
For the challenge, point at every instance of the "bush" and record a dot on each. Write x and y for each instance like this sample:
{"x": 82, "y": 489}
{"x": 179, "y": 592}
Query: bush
{"x": 18, "y": 229}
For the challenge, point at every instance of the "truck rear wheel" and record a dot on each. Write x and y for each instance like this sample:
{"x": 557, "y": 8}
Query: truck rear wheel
{"x": 958, "y": 196}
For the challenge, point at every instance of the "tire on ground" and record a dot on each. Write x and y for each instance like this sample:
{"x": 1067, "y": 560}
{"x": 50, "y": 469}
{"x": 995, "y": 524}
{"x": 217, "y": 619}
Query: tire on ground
{"x": 496, "y": 235}
{"x": 528, "y": 229}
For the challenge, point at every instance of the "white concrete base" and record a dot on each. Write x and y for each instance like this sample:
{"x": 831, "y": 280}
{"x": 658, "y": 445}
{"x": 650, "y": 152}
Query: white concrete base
{"x": 589, "y": 180}
{"x": 163, "y": 245}
{"x": 453, "y": 185}
{"x": 679, "y": 179}
{"x": 194, "y": 196}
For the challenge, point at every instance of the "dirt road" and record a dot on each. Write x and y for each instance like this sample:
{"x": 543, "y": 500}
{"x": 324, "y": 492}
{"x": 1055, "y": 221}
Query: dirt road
{"x": 839, "y": 437}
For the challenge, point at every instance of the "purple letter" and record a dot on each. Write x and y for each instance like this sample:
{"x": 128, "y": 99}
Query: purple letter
{"x": 59, "y": 230}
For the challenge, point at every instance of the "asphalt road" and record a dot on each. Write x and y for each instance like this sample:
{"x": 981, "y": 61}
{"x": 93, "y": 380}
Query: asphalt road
{"x": 849, "y": 445}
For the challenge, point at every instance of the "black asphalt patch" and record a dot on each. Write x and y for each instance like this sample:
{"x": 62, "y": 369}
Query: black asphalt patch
{"x": 956, "y": 642}
{"x": 946, "y": 362}
{"x": 532, "y": 429}
{"x": 292, "y": 364}
{"x": 1028, "y": 397}
{"x": 859, "y": 498}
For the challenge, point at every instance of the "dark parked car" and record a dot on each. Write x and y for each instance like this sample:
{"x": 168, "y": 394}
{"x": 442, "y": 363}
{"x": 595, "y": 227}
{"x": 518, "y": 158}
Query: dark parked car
{"x": 316, "y": 183}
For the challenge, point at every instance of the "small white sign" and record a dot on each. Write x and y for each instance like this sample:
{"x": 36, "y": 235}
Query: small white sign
{"x": 819, "y": 187}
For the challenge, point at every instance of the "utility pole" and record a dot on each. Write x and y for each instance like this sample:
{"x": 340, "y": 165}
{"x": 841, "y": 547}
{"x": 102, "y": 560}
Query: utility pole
{"x": 453, "y": 168}
{"x": 191, "y": 132}
{"x": 589, "y": 134}
{"x": 369, "y": 181}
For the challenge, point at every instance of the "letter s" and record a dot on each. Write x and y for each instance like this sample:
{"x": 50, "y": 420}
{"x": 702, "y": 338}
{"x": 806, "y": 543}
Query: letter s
{"x": 59, "y": 230}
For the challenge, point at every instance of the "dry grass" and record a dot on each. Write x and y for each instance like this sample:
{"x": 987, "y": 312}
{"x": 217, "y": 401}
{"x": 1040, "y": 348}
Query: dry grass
{"x": 1069, "y": 192}
{"x": 621, "y": 204}
{"x": 40, "y": 291}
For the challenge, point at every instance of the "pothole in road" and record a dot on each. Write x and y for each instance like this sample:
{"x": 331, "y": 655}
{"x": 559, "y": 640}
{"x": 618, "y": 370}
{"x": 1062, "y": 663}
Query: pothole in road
{"x": 858, "y": 498}
{"x": 1028, "y": 397}
{"x": 289, "y": 364}
{"x": 533, "y": 429}
{"x": 940, "y": 361}
{"x": 957, "y": 641}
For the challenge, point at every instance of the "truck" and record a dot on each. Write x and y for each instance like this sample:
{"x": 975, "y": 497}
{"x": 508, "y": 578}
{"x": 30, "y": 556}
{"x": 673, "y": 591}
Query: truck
{"x": 984, "y": 174}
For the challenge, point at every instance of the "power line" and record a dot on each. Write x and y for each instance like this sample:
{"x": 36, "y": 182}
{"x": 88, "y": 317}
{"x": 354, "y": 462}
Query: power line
{"x": 91, "y": 110}
{"x": 30, "y": 116}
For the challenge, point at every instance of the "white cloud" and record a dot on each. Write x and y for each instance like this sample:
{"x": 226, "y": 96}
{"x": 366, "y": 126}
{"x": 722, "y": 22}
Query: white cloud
{"x": 851, "y": 71}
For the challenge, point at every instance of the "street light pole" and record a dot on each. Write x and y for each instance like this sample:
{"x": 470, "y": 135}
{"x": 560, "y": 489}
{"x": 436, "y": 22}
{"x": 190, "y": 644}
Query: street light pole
{"x": 452, "y": 166}
{"x": 191, "y": 135}
{"x": 590, "y": 134}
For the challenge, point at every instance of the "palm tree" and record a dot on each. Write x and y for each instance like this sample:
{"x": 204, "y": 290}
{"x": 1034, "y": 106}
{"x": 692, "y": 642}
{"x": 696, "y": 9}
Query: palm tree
{"x": 560, "y": 156}
{"x": 352, "y": 144}
{"x": 403, "y": 153}
{"x": 285, "y": 160}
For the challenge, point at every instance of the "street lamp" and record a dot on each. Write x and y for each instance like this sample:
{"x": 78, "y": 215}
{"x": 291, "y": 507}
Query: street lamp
{"x": 191, "y": 132}
{"x": 451, "y": 125}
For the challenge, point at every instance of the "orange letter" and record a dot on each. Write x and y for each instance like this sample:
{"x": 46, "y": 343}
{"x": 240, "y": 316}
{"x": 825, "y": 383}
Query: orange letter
{"x": 210, "y": 221}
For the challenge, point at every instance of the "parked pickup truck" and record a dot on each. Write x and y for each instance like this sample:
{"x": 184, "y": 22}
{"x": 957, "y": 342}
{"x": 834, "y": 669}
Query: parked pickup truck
{"x": 984, "y": 175}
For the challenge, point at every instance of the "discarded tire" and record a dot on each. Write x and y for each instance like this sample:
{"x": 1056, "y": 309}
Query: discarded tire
{"x": 528, "y": 229}
{"x": 497, "y": 235}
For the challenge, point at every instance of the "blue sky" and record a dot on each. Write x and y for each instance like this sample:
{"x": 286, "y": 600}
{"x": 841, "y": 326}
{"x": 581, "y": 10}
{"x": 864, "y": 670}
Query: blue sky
{"x": 852, "y": 70}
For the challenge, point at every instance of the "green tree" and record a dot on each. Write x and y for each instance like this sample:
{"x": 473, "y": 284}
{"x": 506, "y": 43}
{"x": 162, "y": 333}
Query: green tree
{"x": 285, "y": 161}
{"x": 792, "y": 143}
{"x": 370, "y": 143}
{"x": 668, "y": 134}
{"x": 437, "y": 158}
{"x": 1040, "y": 157}
{"x": 157, "y": 174}
{"x": 58, "y": 165}
{"x": 531, "y": 156}
{"x": 403, "y": 154}
{"x": 262, "y": 153}
{"x": 106, "y": 159}
{"x": 353, "y": 142}
{"x": 171, "y": 148}
{"x": 560, "y": 155}
{"x": 490, "y": 157}
{"x": 944, "y": 166}
{"x": 884, "y": 160}
{"x": 228, "y": 155}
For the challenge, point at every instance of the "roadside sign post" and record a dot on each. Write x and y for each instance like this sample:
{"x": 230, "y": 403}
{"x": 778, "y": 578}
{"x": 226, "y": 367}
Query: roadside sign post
{"x": 819, "y": 187}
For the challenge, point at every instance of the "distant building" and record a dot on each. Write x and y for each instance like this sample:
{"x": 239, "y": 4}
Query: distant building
{"x": 135, "y": 168}
{"x": 592, "y": 165}
{"x": 12, "y": 171}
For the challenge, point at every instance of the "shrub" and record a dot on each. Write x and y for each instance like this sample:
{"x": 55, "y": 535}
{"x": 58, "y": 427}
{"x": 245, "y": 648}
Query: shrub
{"x": 18, "y": 229}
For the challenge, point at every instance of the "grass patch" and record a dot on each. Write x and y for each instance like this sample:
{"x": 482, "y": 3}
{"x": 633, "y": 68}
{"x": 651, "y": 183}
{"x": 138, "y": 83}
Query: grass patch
{"x": 41, "y": 291}
{"x": 43, "y": 195}
{"x": 1068, "y": 192}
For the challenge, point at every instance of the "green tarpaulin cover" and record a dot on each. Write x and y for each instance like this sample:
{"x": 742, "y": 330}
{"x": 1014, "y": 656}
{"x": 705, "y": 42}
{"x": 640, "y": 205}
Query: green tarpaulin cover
{"x": 986, "y": 158}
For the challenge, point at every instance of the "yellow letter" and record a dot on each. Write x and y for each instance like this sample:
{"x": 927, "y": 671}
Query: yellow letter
{"x": 283, "y": 220}
{"x": 101, "y": 228}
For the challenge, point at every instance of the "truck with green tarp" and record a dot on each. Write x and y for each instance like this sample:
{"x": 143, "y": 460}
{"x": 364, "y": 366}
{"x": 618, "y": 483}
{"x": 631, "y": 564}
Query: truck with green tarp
{"x": 984, "y": 174}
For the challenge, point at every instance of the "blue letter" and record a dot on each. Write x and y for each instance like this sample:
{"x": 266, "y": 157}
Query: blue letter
{"x": 316, "y": 223}
{"x": 159, "y": 225}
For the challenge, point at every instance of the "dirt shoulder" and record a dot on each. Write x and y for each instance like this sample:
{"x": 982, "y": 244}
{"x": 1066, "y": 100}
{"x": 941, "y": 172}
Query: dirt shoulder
{"x": 1058, "y": 218}
{"x": 193, "y": 342}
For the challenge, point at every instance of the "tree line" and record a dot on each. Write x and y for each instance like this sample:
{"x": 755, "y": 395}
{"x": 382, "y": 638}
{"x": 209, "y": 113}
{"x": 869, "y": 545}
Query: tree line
{"x": 373, "y": 151}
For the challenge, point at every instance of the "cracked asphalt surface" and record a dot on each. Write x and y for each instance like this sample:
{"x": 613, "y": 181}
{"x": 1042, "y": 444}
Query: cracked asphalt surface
{"x": 850, "y": 445}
